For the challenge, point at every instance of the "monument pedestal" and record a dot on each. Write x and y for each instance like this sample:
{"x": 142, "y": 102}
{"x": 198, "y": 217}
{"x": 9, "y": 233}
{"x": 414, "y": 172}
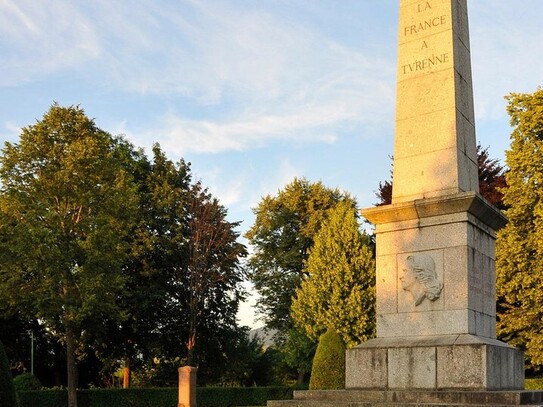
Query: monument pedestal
{"x": 435, "y": 300}
{"x": 450, "y": 362}
{"x": 414, "y": 398}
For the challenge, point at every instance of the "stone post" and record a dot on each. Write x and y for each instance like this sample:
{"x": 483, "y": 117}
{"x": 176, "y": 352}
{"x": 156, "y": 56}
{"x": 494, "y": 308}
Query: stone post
{"x": 187, "y": 386}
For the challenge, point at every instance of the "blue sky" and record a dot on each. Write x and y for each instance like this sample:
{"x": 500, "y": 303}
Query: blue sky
{"x": 252, "y": 93}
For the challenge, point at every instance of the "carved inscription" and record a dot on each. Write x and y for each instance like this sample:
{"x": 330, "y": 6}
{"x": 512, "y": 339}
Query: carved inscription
{"x": 424, "y": 64}
{"x": 426, "y": 23}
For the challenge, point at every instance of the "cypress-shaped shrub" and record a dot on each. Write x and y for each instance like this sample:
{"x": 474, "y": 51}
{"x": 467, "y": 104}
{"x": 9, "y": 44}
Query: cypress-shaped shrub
{"x": 328, "y": 372}
{"x": 7, "y": 391}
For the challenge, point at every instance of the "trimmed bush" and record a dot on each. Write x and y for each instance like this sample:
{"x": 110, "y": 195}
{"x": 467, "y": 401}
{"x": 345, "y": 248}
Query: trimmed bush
{"x": 535, "y": 383}
{"x": 7, "y": 391}
{"x": 328, "y": 372}
{"x": 157, "y": 397}
{"x": 26, "y": 382}
{"x": 43, "y": 398}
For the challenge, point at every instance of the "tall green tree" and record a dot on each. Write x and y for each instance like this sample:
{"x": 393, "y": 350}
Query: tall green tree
{"x": 158, "y": 251}
{"x": 214, "y": 271}
{"x": 519, "y": 264}
{"x": 339, "y": 289}
{"x": 281, "y": 237}
{"x": 183, "y": 275}
{"x": 66, "y": 205}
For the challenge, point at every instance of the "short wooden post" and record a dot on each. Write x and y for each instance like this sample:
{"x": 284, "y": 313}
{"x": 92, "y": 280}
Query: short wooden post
{"x": 187, "y": 386}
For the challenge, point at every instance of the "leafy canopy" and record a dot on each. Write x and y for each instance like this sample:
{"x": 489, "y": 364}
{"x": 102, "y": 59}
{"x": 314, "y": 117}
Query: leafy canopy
{"x": 282, "y": 236}
{"x": 66, "y": 206}
{"x": 519, "y": 251}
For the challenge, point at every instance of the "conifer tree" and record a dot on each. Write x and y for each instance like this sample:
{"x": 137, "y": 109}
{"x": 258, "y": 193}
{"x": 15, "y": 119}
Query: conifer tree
{"x": 339, "y": 290}
{"x": 282, "y": 235}
{"x": 519, "y": 265}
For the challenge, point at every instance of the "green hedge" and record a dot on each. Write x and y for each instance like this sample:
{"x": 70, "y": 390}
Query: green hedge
{"x": 157, "y": 397}
{"x": 534, "y": 384}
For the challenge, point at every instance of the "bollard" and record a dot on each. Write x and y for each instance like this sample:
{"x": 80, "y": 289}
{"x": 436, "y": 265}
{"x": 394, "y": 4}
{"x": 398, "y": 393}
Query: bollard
{"x": 187, "y": 386}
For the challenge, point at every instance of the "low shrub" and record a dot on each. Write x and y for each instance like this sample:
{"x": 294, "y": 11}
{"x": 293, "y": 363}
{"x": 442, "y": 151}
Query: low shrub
{"x": 157, "y": 397}
{"x": 25, "y": 382}
{"x": 328, "y": 372}
{"x": 535, "y": 383}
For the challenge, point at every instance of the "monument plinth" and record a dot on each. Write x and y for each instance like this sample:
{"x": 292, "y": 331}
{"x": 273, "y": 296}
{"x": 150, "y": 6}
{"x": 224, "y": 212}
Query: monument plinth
{"x": 436, "y": 296}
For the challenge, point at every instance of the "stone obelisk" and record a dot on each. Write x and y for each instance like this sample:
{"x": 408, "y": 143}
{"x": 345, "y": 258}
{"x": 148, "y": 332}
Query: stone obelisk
{"x": 436, "y": 313}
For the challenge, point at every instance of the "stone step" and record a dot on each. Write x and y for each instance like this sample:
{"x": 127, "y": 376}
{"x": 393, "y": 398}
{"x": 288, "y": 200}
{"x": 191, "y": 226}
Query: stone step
{"x": 369, "y": 398}
{"x": 339, "y": 403}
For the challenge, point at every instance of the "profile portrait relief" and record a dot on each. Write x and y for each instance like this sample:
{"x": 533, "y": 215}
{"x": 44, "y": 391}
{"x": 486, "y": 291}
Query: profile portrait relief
{"x": 420, "y": 278}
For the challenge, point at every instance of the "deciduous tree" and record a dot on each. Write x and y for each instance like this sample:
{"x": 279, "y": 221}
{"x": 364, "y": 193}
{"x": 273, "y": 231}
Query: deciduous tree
{"x": 519, "y": 265}
{"x": 282, "y": 236}
{"x": 66, "y": 205}
{"x": 214, "y": 272}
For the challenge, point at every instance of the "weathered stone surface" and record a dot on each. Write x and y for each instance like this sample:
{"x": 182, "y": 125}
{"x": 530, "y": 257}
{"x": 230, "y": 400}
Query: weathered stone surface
{"x": 434, "y": 151}
{"x": 412, "y": 398}
{"x": 457, "y": 232}
{"x": 436, "y": 363}
{"x": 365, "y": 368}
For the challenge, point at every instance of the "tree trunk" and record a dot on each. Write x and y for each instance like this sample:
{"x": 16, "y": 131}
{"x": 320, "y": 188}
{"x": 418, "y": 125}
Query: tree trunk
{"x": 301, "y": 376}
{"x": 190, "y": 348}
{"x": 71, "y": 364}
{"x": 59, "y": 364}
{"x": 126, "y": 373}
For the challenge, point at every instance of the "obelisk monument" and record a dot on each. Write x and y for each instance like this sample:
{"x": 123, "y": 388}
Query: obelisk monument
{"x": 436, "y": 305}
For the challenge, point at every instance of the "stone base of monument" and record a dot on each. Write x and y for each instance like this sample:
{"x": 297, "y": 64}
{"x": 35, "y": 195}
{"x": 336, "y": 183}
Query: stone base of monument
{"x": 411, "y": 398}
{"x": 464, "y": 362}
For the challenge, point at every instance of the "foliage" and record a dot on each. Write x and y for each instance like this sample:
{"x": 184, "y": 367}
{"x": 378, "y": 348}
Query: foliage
{"x": 281, "y": 236}
{"x": 533, "y": 384}
{"x": 328, "y": 371}
{"x": 519, "y": 264}
{"x": 7, "y": 390}
{"x": 130, "y": 262}
{"x": 339, "y": 290}
{"x": 158, "y": 397}
{"x": 65, "y": 206}
{"x": 491, "y": 181}
{"x": 25, "y": 382}
{"x": 298, "y": 352}
{"x": 214, "y": 272}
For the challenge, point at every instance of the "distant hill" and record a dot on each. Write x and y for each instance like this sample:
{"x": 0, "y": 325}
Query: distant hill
{"x": 266, "y": 336}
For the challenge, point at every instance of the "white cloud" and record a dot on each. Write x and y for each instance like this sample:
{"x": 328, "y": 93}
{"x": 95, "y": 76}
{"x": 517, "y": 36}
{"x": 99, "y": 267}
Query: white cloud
{"x": 40, "y": 38}
{"x": 507, "y": 42}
